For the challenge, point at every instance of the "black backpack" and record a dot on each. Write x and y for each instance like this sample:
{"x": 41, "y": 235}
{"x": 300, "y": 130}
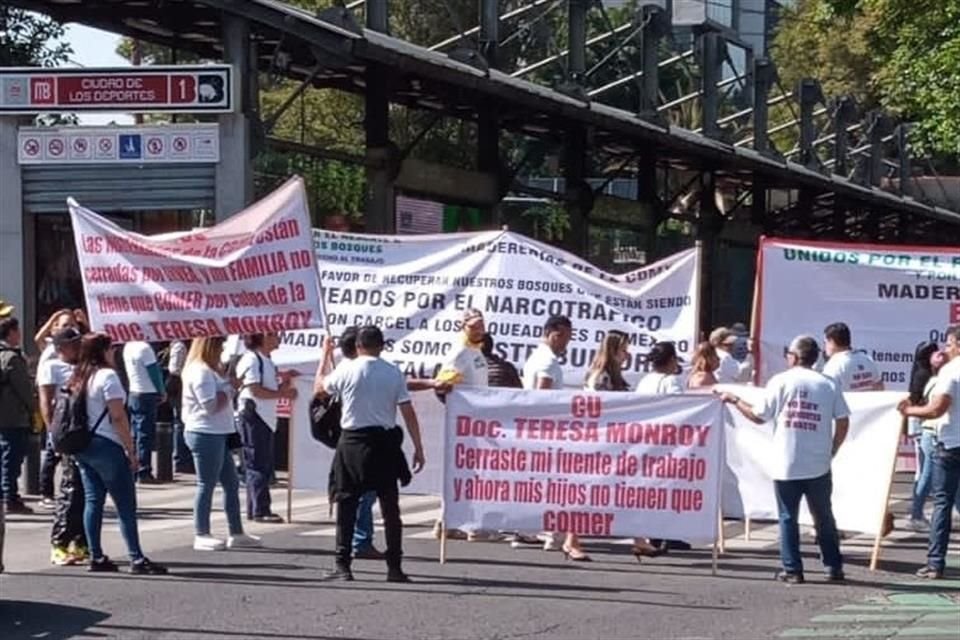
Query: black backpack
{"x": 68, "y": 428}
{"x": 325, "y": 418}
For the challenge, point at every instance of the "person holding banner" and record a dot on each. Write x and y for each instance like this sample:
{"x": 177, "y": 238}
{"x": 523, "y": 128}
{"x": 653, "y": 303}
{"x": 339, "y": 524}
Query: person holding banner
{"x": 927, "y": 362}
{"x": 944, "y": 402}
{"x": 261, "y": 387}
{"x": 208, "y": 424}
{"x": 369, "y": 455}
{"x": 704, "y": 364}
{"x": 146, "y": 393}
{"x": 730, "y": 371}
{"x": 810, "y": 421}
{"x": 853, "y": 370}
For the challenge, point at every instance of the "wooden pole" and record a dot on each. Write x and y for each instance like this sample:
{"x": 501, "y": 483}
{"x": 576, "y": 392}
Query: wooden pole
{"x": 875, "y": 555}
{"x": 290, "y": 425}
{"x": 716, "y": 556}
{"x": 746, "y": 529}
{"x": 721, "y": 534}
{"x": 443, "y": 542}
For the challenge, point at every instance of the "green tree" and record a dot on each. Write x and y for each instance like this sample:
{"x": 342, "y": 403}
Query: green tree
{"x": 30, "y": 39}
{"x": 902, "y": 55}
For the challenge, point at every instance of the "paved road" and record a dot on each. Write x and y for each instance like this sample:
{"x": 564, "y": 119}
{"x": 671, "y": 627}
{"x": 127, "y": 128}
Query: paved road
{"x": 486, "y": 590}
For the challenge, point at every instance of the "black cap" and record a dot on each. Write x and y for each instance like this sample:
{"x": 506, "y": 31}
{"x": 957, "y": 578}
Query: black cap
{"x": 66, "y": 336}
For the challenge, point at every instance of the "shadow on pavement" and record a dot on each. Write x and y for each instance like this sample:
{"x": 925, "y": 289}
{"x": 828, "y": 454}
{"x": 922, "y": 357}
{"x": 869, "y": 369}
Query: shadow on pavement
{"x": 19, "y": 619}
{"x": 121, "y": 629}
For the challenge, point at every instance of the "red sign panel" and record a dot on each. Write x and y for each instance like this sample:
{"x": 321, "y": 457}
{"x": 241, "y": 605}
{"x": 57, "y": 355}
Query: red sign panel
{"x": 143, "y": 89}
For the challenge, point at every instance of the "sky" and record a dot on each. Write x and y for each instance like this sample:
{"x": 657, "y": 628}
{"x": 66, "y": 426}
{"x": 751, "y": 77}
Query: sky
{"x": 96, "y": 48}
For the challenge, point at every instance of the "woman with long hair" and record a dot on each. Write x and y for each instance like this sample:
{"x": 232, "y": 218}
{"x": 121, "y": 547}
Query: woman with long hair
{"x": 923, "y": 375}
{"x": 703, "y": 366}
{"x": 207, "y": 412}
{"x": 606, "y": 372}
{"x": 108, "y": 462}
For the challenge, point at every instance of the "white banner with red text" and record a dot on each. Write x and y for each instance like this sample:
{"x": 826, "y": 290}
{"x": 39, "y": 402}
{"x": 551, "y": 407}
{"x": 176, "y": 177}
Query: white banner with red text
{"x": 416, "y": 289}
{"x": 255, "y": 272}
{"x": 861, "y": 470}
{"x": 891, "y": 297}
{"x": 595, "y": 464}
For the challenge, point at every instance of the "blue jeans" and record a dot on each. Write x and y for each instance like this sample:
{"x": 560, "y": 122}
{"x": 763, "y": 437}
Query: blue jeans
{"x": 946, "y": 480}
{"x": 213, "y": 462}
{"x": 363, "y": 530}
{"x": 258, "y": 442}
{"x": 817, "y": 491}
{"x": 13, "y": 446}
{"x": 104, "y": 468}
{"x": 182, "y": 457}
{"x": 921, "y": 488}
{"x": 143, "y": 422}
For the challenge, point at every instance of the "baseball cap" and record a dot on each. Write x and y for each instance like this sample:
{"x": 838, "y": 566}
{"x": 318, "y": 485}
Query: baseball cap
{"x": 66, "y": 336}
{"x": 470, "y": 316}
{"x": 722, "y": 335}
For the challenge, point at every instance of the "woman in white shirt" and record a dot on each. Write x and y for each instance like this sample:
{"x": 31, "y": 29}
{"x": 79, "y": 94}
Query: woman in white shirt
{"x": 107, "y": 464}
{"x": 207, "y": 413}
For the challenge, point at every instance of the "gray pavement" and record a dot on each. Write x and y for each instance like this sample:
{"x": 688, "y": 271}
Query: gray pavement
{"x": 486, "y": 590}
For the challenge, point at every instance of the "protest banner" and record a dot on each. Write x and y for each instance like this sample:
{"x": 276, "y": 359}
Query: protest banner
{"x": 255, "y": 272}
{"x": 862, "y": 470}
{"x": 594, "y": 464}
{"x": 417, "y": 288}
{"x": 891, "y": 297}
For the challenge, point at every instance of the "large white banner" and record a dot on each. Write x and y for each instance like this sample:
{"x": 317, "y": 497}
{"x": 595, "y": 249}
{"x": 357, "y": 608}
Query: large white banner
{"x": 892, "y": 298}
{"x": 597, "y": 464}
{"x": 861, "y": 470}
{"x": 256, "y": 272}
{"x": 417, "y": 288}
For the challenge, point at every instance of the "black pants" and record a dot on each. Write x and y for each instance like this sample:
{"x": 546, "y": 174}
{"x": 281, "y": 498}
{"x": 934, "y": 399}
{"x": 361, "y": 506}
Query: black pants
{"x": 49, "y": 460}
{"x": 392, "y": 526}
{"x": 258, "y": 443}
{"x": 68, "y": 517}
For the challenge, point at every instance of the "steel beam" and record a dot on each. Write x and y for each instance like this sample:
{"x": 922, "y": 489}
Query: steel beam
{"x": 711, "y": 49}
{"x": 844, "y": 112}
{"x": 809, "y": 95}
{"x": 381, "y": 154}
{"x": 902, "y": 133}
{"x": 577, "y": 49}
{"x": 489, "y": 32}
{"x": 764, "y": 77}
{"x": 656, "y": 25}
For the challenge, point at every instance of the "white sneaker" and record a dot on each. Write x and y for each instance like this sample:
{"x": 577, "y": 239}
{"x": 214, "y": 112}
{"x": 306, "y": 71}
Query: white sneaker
{"x": 244, "y": 541}
{"x": 920, "y": 525}
{"x": 208, "y": 543}
{"x": 550, "y": 542}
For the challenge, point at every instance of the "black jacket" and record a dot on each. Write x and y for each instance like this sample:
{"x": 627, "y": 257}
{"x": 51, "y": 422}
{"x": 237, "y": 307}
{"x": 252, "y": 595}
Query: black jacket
{"x": 16, "y": 392}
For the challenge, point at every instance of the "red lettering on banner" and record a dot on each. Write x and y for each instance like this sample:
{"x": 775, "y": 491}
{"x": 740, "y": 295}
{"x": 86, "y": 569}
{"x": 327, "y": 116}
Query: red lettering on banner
{"x": 549, "y": 429}
{"x": 586, "y": 407}
{"x": 631, "y": 497}
{"x": 669, "y": 435}
{"x": 467, "y": 427}
{"x": 259, "y": 266}
{"x": 269, "y": 323}
{"x": 483, "y": 459}
{"x": 186, "y": 329}
{"x": 582, "y": 523}
{"x": 92, "y": 244}
{"x": 954, "y": 313}
{"x": 124, "y": 332}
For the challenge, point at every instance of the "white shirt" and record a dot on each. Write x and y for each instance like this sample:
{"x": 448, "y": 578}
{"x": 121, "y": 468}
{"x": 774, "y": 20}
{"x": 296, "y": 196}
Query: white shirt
{"x": 732, "y": 371}
{"x": 54, "y": 373}
{"x": 369, "y": 389}
{"x": 543, "y": 364}
{"x": 659, "y": 384}
{"x": 103, "y": 387}
{"x": 49, "y": 353}
{"x": 137, "y": 356}
{"x": 470, "y": 364}
{"x": 177, "y": 357}
{"x": 948, "y": 384}
{"x": 853, "y": 371}
{"x": 250, "y": 372}
{"x": 802, "y": 404}
{"x": 201, "y": 384}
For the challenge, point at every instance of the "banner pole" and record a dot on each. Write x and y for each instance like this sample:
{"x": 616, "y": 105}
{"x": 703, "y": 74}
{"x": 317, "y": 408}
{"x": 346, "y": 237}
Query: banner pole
{"x": 875, "y": 555}
{"x": 290, "y": 424}
{"x": 716, "y": 557}
{"x": 746, "y": 528}
{"x": 443, "y": 542}
{"x": 721, "y": 535}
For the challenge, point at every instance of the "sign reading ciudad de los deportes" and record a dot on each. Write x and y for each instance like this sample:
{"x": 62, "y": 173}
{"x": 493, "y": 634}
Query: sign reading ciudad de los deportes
{"x": 196, "y": 88}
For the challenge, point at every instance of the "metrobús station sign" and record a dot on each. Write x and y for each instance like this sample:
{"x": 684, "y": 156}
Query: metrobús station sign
{"x": 197, "y": 88}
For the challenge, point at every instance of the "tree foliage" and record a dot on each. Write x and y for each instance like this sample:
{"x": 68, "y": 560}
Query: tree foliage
{"x": 902, "y": 55}
{"x": 30, "y": 39}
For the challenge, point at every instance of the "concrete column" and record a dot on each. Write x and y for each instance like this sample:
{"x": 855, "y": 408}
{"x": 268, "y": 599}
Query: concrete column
{"x": 234, "y": 189}
{"x": 709, "y": 226}
{"x": 12, "y": 264}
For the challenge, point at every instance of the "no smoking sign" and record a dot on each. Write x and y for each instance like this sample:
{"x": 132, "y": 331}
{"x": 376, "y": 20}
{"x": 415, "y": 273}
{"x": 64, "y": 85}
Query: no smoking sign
{"x": 155, "y": 146}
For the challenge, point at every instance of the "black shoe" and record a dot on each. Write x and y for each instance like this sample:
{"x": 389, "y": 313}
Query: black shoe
{"x": 789, "y": 578}
{"x": 369, "y": 553}
{"x": 398, "y": 576}
{"x": 103, "y": 565}
{"x": 930, "y": 573}
{"x": 185, "y": 470}
{"x": 17, "y": 507}
{"x": 836, "y": 577}
{"x": 338, "y": 574}
{"x": 270, "y": 518}
{"x": 143, "y": 567}
{"x": 147, "y": 479}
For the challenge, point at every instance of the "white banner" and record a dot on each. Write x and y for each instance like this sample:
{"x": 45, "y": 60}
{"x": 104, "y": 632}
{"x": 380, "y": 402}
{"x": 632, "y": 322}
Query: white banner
{"x": 255, "y": 272}
{"x": 417, "y": 288}
{"x": 604, "y": 464}
{"x": 891, "y": 297}
{"x": 861, "y": 470}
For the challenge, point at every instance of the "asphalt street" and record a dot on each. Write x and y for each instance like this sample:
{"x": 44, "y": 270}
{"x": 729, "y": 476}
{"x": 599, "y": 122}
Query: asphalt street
{"x": 485, "y": 590}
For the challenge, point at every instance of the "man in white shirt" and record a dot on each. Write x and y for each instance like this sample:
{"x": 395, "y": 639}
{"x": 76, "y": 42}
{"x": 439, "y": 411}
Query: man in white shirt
{"x": 369, "y": 454}
{"x": 852, "y": 370}
{"x": 145, "y": 394}
{"x": 811, "y": 420}
{"x": 731, "y": 371}
{"x": 944, "y": 402}
{"x": 542, "y": 370}
{"x": 467, "y": 364}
